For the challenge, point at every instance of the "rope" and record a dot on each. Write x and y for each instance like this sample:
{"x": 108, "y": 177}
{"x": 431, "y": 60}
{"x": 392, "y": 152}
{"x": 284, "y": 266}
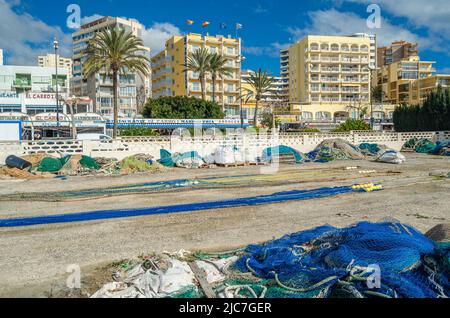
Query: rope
{"x": 304, "y": 290}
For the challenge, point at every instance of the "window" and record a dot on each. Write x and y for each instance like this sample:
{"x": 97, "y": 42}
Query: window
{"x": 230, "y": 100}
{"x": 230, "y": 88}
{"x": 196, "y": 86}
{"x": 230, "y": 50}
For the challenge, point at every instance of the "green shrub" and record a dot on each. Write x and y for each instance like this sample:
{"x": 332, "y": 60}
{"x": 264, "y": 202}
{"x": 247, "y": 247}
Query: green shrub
{"x": 182, "y": 107}
{"x": 352, "y": 125}
{"x": 138, "y": 132}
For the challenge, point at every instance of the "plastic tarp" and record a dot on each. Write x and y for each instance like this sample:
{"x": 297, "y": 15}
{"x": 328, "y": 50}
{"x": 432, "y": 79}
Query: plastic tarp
{"x": 176, "y": 281}
{"x": 49, "y": 164}
{"x": 391, "y": 156}
{"x": 226, "y": 155}
{"x": 280, "y": 150}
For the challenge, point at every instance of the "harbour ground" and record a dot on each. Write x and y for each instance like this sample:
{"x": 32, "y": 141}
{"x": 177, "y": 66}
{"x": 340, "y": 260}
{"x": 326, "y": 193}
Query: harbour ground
{"x": 33, "y": 260}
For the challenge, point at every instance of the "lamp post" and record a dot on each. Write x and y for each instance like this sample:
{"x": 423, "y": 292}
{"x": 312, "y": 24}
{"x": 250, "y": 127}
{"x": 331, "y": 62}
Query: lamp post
{"x": 240, "y": 59}
{"x": 55, "y": 46}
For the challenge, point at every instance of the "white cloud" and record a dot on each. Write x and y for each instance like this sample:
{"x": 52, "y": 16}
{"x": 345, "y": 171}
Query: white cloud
{"x": 333, "y": 22}
{"x": 24, "y": 37}
{"x": 156, "y": 36}
{"x": 432, "y": 15}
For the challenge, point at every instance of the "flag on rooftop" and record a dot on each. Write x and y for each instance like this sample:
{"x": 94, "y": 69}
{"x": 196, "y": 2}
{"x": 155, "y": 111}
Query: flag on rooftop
{"x": 205, "y": 24}
{"x": 189, "y": 22}
{"x": 223, "y": 25}
{"x": 239, "y": 26}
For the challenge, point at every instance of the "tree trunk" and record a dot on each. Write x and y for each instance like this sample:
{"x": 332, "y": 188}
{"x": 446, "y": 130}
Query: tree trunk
{"x": 203, "y": 86}
{"x": 255, "y": 124}
{"x": 214, "y": 88}
{"x": 115, "y": 104}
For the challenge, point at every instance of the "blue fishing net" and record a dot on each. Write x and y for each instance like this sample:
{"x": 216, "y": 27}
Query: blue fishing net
{"x": 442, "y": 149}
{"x": 331, "y": 262}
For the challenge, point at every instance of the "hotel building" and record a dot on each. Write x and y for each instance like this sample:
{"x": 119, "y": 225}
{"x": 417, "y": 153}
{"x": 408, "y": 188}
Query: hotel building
{"x": 171, "y": 78}
{"x": 99, "y": 87}
{"x": 329, "y": 77}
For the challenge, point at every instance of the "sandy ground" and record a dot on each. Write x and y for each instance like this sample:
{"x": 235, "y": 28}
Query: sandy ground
{"x": 33, "y": 260}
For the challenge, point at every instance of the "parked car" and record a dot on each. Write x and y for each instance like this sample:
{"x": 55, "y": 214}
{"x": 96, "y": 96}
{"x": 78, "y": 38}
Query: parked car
{"x": 93, "y": 137}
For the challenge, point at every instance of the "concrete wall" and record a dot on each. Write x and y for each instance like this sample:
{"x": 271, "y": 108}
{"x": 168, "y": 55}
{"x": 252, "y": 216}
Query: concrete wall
{"x": 205, "y": 145}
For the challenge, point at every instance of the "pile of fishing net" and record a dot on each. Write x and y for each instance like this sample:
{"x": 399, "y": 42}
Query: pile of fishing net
{"x": 335, "y": 149}
{"x": 419, "y": 145}
{"x": 386, "y": 259}
{"x": 270, "y": 153}
{"x": 441, "y": 148}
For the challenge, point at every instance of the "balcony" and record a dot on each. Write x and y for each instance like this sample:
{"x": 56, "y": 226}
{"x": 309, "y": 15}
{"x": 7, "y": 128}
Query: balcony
{"x": 21, "y": 84}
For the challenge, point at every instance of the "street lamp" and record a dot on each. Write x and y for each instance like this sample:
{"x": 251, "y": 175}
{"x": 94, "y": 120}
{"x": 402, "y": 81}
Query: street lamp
{"x": 56, "y": 46}
{"x": 240, "y": 59}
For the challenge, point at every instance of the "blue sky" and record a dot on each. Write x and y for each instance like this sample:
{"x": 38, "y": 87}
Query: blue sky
{"x": 28, "y": 26}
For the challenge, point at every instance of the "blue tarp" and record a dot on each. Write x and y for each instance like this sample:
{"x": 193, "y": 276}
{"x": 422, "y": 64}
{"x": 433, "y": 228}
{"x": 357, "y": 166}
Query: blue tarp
{"x": 280, "y": 150}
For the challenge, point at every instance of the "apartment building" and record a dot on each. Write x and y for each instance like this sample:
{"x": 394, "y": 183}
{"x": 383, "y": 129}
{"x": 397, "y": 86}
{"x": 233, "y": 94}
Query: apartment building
{"x": 409, "y": 80}
{"x": 273, "y": 100}
{"x": 99, "y": 87}
{"x": 284, "y": 73}
{"x": 50, "y": 60}
{"x": 171, "y": 78}
{"x": 329, "y": 76}
{"x": 31, "y": 89}
{"x": 396, "y": 52}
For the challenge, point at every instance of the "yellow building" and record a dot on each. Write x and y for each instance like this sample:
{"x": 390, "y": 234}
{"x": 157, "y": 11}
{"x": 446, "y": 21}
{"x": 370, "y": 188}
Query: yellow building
{"x": 329, "y": 76}
{"x": 408, "y": 81}
{"x": 171, "y": 79}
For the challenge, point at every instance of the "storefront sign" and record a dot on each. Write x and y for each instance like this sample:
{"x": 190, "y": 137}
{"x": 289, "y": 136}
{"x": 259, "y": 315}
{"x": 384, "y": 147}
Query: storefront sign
{"x": 9, "y": 95}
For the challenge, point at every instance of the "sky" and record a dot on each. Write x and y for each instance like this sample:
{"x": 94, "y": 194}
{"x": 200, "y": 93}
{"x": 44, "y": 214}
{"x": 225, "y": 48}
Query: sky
{"x": 27, "y": 27}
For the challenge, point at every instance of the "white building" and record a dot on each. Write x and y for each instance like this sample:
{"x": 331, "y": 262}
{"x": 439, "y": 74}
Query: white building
{"x": 99, "y": 86}
{"x": 31, "y": 89}
{"x": 49, "y": 60}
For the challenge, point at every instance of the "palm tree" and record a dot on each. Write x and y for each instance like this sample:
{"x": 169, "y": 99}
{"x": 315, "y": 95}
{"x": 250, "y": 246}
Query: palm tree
{"x": 218, "y": 69}
{"x": 199, "y": 62}
{"x": 118, "y": 52}
{"x": 260, "y": 83}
